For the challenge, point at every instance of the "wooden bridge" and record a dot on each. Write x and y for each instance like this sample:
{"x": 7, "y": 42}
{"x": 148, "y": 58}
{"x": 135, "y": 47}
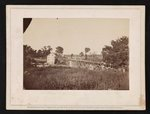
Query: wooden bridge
{"x": 86, "y": 64}
{"x": 97, "y": 66}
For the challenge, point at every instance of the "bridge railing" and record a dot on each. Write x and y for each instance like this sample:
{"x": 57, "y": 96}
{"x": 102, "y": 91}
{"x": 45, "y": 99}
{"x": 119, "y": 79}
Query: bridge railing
{"x": 86, "y": 64}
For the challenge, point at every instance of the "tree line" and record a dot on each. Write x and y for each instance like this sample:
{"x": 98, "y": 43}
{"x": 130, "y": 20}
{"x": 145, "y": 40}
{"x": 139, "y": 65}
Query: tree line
{"x": 30, "y": 53}
{"x": 116, "y": 55}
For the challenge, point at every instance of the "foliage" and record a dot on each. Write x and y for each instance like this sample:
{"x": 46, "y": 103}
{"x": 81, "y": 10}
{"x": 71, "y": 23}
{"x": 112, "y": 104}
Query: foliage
{"x": 59, "y": 50}
{"x": 59, "y": 56}
{"x": 46, "y": 50}
{"x": 72, "y": 55}
{"x": 30, "y": 54}
{"x": 86, "y": 51}
{"x": 117, "y": 55}
{"x": 81, "y": 54}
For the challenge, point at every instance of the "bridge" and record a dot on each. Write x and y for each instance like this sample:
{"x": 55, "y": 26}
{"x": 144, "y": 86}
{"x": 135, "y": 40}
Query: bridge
{"x": 86, "y": 64}
{"x": 97, "y": 66}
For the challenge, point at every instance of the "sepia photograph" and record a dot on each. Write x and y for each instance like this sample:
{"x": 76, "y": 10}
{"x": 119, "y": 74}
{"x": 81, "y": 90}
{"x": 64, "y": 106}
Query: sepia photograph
{"x": 76, "y": 54}
{"x": 75, "y": 57}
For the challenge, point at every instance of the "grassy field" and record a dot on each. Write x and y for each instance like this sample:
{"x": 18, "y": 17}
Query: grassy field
{"x": 54, "y": 78}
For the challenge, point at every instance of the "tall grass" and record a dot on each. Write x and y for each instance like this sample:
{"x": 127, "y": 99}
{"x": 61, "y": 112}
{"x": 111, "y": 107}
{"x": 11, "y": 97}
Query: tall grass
{"x": 54, "y": 78}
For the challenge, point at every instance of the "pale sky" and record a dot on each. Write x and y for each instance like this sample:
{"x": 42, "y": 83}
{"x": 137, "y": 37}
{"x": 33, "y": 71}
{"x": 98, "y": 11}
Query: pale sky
{"x": 74, "y": 34}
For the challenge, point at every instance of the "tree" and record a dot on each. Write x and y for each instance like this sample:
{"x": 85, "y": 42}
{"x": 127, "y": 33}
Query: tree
{"x": 40, "y": 53}
{"x": 117, "y": 55}
{"x": 46, "y": 50}
{"x": 72, "y": 55}
{"x": 29, "y": 53}
{"x": 59, "y": 50}
{"x": 86, "y": 51}
{"x": 81, "y": 54}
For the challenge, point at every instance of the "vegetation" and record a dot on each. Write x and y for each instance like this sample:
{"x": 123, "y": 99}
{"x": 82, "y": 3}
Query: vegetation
{"x": 117, "y": 55}
{"x": 59, "y": 50}
{"x": 81, "y": 54}
{"x": 64, "y": 78}
{"x": 30, "y": 54}
{"x": 86, "y": 51}
{"x": 59, "y": 57}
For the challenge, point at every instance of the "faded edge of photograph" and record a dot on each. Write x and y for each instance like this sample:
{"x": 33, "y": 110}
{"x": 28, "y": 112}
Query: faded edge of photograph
{"x": 75, "y": 54}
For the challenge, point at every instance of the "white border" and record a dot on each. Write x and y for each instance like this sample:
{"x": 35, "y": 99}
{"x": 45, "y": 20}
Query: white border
{"x": 17, "y": 98}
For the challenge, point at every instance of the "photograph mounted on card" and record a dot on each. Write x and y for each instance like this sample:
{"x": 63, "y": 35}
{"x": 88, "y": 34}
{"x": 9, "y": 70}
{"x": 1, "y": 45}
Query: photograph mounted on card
{"x": 75, "y": 57}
